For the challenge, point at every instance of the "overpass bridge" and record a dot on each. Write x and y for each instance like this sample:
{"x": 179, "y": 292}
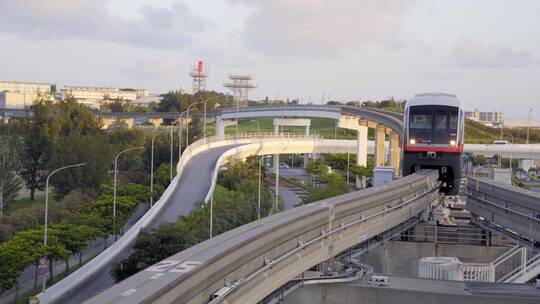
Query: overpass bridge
{"x": 355, "y": 118}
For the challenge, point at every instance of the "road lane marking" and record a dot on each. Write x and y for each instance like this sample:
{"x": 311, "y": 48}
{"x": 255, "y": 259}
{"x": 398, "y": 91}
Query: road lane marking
{"x": 162, "y": 266}
{"x": 129, "y": 292}
{"x": 185, "y": 267}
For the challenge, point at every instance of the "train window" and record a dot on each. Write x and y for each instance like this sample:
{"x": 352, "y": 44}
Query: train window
{"x": 420, "y": 121}
{"x": 421, "y": 117}
{"x": 453, "y": 119}
{"x": 441, "y": 118}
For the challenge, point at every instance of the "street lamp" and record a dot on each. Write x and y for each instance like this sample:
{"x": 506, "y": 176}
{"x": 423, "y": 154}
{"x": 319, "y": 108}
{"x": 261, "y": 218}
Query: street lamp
{"x": 114, "y": 184}
{"x": 204, "y": 119}
{"x": 511, "y": 149}
{"x": 258, "y": 126}
{"x": 187, "y": 124}
{"x": 259, "y": 194}
{"x": 152, "y": 168}
{"x": 47, "y": 209}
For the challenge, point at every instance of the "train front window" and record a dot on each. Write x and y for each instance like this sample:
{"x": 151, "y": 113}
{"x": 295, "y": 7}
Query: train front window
{"x": 433, "y": 124}
{"x": 441, "y": 118}
{"x": 421, "y": 123}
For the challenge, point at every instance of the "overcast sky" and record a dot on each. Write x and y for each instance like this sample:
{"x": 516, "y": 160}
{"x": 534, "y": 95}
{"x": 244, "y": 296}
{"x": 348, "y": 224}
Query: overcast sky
{"x": 486, "y": 51}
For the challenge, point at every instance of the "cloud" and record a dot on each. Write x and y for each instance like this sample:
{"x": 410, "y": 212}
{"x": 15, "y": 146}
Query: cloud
{"x": 471, "y": 54}
{"x": 170, "y": 27}
{"x": 319, "y": 27}
{"x": 162, "y": 67}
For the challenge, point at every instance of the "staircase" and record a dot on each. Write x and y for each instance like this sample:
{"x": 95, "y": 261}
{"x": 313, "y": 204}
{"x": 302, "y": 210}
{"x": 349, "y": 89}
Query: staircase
{"x": 518, "y": 265}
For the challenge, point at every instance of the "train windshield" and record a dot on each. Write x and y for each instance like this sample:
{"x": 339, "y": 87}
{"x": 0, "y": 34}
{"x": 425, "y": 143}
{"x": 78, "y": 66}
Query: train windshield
{"x": 433, "y": 124}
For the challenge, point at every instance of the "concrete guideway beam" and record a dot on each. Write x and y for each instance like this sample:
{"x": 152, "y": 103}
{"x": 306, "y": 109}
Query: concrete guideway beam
{"x": 107, "y": 122}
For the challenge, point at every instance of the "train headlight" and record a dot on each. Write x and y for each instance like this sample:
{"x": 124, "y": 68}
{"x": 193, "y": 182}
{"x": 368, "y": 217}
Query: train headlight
{"x": 412, "y": 141}
{"x": 452, "y": 142}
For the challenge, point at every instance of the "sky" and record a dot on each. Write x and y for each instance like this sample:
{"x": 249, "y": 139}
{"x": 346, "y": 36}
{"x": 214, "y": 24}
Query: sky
{"x": 485, "y": 51}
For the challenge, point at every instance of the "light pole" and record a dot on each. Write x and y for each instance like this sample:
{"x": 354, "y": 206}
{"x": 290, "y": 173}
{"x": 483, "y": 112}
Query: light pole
{"x": 258, "y": 126}
{"x": 529, "y": 124}
{"x": 187, "y": 124}
{"x": 114, "y": 184}
{"x": 47, "y": 210}
{"x": 259, "y": 195}
{"x": 511, "y": 150}
{"x": 152, "y": 168}
{"x": 211, "y": 214}
{"x": 204, "y": 119}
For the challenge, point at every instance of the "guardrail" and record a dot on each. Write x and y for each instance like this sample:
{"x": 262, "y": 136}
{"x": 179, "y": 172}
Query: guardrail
{"x": 68, "y": 285}
{"x": 513, "y": 209}
{"x": 257, "y": 258}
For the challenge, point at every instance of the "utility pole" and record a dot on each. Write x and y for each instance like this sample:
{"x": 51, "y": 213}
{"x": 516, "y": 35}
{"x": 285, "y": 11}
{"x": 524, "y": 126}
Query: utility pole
{"x": 529, "y": 124}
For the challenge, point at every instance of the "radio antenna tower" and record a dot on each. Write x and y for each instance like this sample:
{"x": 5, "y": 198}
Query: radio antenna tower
{"x": 199, "y": 75}
{"x": 240, "y": 87}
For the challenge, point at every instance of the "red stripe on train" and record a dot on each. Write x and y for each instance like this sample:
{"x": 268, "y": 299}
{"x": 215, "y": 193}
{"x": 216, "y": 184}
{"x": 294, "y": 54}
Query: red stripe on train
{"x": 458, "y": 149}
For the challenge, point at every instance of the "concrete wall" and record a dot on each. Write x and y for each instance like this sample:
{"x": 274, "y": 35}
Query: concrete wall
{"x": 350, "y": 293}
{"x": 401, "y": 258}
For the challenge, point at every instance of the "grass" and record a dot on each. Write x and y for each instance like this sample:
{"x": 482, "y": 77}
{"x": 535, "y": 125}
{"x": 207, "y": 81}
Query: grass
{"x": 24, "y": 203}
{"x": 322, "y": 126}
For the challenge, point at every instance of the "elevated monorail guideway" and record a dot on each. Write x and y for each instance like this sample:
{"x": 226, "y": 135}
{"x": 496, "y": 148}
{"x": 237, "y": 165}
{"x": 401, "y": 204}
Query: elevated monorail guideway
{"x": 259, "y": 257}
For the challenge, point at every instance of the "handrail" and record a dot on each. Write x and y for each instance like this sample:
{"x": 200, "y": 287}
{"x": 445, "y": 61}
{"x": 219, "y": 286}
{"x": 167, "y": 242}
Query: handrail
{"x": 323, "y": 235}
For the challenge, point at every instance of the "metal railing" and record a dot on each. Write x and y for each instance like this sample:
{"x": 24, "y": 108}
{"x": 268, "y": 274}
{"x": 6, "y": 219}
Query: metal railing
{"x": 314, "y": 241}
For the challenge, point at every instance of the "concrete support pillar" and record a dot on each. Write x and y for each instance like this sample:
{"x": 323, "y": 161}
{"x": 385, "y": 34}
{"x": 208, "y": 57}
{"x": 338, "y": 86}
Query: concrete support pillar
{"x": 156, "y": 121}
{"x": 276, "y": 129}
{"x": 221, "y": 124}
{"x": 395, "y": 153}
{"x": 220, "y": 128}
{"x": 306, "y": 157}
{"x": 361, "y": 149}
{"x": 129, "y": 122}
{"x": 380, "y": 138}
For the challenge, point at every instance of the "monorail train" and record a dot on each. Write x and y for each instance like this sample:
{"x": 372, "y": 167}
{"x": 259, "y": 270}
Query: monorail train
{"x": 434, "y": 136}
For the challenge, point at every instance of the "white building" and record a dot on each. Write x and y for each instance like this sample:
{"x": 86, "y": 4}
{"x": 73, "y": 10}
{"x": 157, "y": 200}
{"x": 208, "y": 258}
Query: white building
{"x": 25, "y": 87}
{"x": 19, "y": 95}
{"x": 494, "y": 118}
{"x": 94, "y": 96}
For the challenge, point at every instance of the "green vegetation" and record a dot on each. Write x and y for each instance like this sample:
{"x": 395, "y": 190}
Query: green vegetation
{"x": 235, "y": 204}
{"x": 333, "y": 184}
{"x": 80, "y": 205}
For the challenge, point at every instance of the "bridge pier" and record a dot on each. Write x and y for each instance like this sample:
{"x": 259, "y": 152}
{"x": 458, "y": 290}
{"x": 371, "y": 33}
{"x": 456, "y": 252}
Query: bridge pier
{"x": 221, "y": 124}
{"x": 156, "y": 121}
{"x": 295, "y": 122}
{"x": 395, "y": 153}
{"x": 380, "y": 139}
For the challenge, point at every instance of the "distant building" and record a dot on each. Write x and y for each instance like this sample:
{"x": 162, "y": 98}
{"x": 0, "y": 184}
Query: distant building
{"x": 494, "y": 118}
{"x": 514, "y": 123}
{"x": 94, "y": 96}
{"x": 19, "y": 95}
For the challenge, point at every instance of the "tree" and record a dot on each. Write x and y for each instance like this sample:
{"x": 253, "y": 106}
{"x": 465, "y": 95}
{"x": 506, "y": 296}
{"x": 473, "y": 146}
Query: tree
{"x": 174, "y": 101}
{"x": 335, "y": 185}
{"x": 162, "y": 150}
{"x": 316, "y": 167}
{"x": 94, "y": 150}
{"x": 76, "y": 118}
{"x": 39, "y": 133}
{"x": 74, "y": 238}
{"x": 9, "y": 183}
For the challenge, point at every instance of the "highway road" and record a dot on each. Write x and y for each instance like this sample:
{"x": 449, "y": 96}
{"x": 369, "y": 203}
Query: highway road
{"x": 192, "y": 188}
